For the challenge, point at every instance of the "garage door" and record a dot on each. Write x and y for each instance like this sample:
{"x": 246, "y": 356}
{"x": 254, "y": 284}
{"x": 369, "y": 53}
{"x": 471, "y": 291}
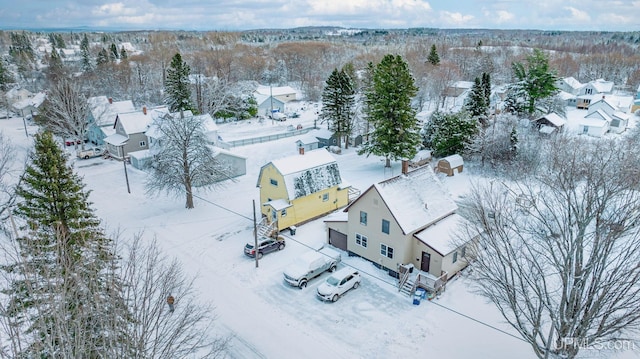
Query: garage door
{"x": 337, "y": 239}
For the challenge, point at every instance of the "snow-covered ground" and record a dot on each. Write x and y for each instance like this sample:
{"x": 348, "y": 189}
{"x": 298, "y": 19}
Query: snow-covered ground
{"x": 268, "y": 318}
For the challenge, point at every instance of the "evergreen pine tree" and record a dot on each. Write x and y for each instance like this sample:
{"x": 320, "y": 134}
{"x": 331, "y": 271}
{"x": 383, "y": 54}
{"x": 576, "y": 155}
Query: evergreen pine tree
{"x": 536, "y": 79}
{"x": 102, "y": 58}
{"x": 177, "y": 85}
{"x": 65, "y": 292}
{"x": 475, "y": 104}
{"x": 113, "y": 52}
{"x": 123, "y": 54}
{"x": 5, "y": 77}
{"x": 84, "y": 50}
{"x": 338, "y": 105}
{"x": 388, "y": 110}
{"x": 486, "y": 86}
{"x": 433, "y": 58}
{"x": 449, "y": 133}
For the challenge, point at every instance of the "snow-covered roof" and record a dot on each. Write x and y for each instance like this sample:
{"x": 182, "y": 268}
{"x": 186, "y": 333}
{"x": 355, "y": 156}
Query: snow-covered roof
{"x": 309, "y": 173}
{"x": 34, "y": 101}
{"x": 278, "y": 204}
{"x": 116, "y": 139}
{"x": 599, "y": 114}
{"x": 105, "y": 112}
{"x": 444, "y": 236}
{"x": 138, "y": 121}
{"x": 140, "y": 155}
{"x": 421, "y": 155}
{"x": 454, "y": 160}
{"x": 603, "y": 101}
{"x": 572, "y": 82}
{"x": 593, "y": 122}
{"x": 554, "y": 118}
{"x": 416, "y": 199}
{"x": 602, "y": 86}
{"x": 621, "y": 115}
{"x": 307, "y": 139}
{"x": 463, "y": 84}
{"x": 564, "y": 95}
{"x": 275, "y": 90}
{"x": 321, "y": 133}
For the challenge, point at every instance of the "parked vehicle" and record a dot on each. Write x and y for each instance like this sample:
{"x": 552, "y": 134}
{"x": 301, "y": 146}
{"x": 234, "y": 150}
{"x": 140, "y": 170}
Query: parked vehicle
{"x": 279, "y": 116}
{"x": 91, "y": 152}
{"x": 71, "y": 142}
{"x": 265, "y": 245}
{"x": 339, "y": 283}
{"x": 310, "y": 265}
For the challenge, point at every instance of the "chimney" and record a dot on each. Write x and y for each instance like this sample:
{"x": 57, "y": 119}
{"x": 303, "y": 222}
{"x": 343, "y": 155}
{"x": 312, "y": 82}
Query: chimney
{"x": 110, "y": 100}
{"x": 144, "y": 110}
{"x": 405, "y": 167}
{"x": 301, "y": 150}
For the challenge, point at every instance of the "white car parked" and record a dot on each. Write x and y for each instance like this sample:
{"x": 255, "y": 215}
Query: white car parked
{"x": 339, "y": 283}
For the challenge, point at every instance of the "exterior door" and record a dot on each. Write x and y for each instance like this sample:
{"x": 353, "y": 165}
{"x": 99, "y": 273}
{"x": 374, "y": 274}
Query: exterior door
{"x": 426, "y": 259}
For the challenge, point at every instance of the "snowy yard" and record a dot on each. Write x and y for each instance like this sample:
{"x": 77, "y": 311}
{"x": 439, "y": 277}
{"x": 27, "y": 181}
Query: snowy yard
{"x": 267, "y": 317}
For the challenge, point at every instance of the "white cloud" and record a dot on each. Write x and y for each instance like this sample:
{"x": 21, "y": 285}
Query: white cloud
{"x": 113, "y": 9}
{"x": 578, "y": 15}
{"x": 455, "y": 18}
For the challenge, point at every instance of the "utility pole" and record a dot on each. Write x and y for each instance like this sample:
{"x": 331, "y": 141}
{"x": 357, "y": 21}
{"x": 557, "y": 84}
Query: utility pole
{"x": 255, "y": 233}
{"x": 124, "y": 163}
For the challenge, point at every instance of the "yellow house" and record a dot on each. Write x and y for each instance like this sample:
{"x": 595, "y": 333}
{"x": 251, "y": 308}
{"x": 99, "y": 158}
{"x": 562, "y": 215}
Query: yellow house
{"x": 302, "y": 187}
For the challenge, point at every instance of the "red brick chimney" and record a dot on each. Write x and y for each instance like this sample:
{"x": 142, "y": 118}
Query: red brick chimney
{"x": 405, "y": 167}
{"x": 144, "y": 110}
{"x": 301, "y": 150}
{"x": 110, "y": 100}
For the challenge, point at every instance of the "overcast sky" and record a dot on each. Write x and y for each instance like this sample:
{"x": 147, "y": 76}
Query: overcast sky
{"x": 607, "y": 15}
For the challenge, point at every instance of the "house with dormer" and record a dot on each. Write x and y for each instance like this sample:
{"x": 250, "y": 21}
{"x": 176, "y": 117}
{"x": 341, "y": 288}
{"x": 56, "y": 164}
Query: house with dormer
{"x": 592, "y": 91}
{"x": 408, "y": 221}
{"x": 102, "y": 115}
{"x": 302, "y": 187}
{"x": 603, "y": 115}
{"x": 129, "y": 131}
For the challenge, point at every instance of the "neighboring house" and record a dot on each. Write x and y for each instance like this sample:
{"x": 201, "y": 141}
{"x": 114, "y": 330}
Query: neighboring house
{"x": 593, "y": 91}
{"x": 29, "y": 106}
{"x": 130, "y": 128}
{"x": 549, "y": 123}
{"x": 595, "y": 125}
{"x": 102, "y": 115}
{"x": 236, "y": 165}
{"x": 569, "y": 99}
{"x": 569, "y": 85}
{"x": 306, "y": 143}
{"x": 604, "y": 115}
{"x": 282, "y": 93}
{"x": 302, "y": 187}
{"x": 455, "y": 94}
{"x": 267, "y": 104}
{"x": 405, "y": 221}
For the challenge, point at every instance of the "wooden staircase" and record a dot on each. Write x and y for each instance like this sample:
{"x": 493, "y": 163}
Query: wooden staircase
{"x": 266, "y": 229}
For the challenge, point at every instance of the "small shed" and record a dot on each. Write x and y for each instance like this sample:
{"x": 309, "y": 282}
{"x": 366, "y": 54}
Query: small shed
{"x": 420, "y": 159}
{"x": 307, "y": 143}
{"x": 450, "y": 165}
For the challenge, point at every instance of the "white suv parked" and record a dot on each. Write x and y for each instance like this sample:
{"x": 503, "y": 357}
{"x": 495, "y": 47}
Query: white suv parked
{"x": 339, "y": 283}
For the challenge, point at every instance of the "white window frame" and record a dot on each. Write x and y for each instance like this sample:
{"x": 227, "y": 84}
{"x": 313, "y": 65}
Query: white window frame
{"x": 386, "y": 251}
{"x": 362, "y": 240}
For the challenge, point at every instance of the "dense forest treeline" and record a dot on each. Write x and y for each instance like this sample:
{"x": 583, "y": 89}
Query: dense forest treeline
{"x": 305, "y": 57}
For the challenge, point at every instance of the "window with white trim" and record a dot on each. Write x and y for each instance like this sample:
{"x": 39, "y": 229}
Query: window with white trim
{"x": 361, "y": 240}
{"x": 386, "y": 251}
{"x": 455, "y": 257}
{"x": 325, "y": 197}
{"x": 273, "y": 182}
{"x": 143, "y": 143}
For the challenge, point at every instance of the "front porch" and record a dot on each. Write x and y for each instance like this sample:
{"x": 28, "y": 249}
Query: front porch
{"x": 410, "y": 279}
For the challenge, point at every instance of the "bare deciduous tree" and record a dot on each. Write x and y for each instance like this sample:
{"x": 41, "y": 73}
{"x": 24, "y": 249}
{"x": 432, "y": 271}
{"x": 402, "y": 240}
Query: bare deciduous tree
{"x": 157, "y": 331}
{"x": 559, "y": 251}
{"x": 183, "y": 158}
{"x": 66, "y": 111}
